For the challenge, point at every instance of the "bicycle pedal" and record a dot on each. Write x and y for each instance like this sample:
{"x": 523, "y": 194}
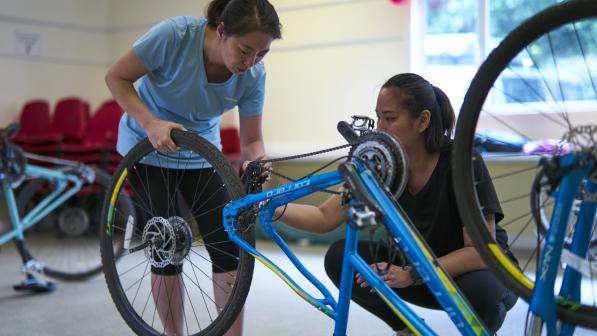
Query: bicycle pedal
{"x": 35, "y": 285}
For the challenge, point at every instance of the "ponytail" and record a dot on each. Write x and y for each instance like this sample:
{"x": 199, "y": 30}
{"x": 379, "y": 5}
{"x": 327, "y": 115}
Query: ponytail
{"x": 214, "y": 12}
{"x": 416, "y": 94}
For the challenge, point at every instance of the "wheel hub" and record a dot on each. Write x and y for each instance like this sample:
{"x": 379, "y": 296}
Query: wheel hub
{"x": 73, "y": 221}
{"x": 168, "y": 241}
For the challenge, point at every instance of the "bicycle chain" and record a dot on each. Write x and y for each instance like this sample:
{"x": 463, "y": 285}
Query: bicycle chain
{"x": 300, "y": 156}
{"x": 252, "y": 180}
{"x": 248, "y": 218}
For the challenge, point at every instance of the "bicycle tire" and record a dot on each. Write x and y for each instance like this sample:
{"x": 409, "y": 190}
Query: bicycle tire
{"x": 244, "y": 273}
{"x": 69, "y": 251}
{"x": 468, "y": 204}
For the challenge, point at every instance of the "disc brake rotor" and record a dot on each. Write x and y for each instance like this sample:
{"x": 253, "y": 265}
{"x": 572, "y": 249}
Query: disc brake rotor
{"x": 161, "y": 243}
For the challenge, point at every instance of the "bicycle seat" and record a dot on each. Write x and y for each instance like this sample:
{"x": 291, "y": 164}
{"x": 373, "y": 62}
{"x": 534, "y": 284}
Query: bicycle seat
{"x": 9, "y": 130}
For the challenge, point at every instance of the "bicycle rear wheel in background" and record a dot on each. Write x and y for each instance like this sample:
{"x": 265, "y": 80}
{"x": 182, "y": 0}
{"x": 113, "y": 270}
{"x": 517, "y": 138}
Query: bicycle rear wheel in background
{"x": 67, "y": 240}
{"x": 542, "y": 201}
{"x": 544, "y": 71}
{"x": 131, "y": 282}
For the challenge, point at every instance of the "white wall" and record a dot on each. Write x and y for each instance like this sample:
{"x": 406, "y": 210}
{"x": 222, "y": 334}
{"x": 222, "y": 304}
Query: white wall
{"x": 78, "y": 40}
{"x": 334, "y": 56}
{"x": 131, "y": 18}
{"x": 73, "y": 52}
{"x": 329, "y": 65}
{"x": 332, "y": 59}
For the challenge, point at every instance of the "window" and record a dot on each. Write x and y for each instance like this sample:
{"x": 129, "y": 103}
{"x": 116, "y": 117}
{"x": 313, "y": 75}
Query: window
{"x": 459, "y": 34}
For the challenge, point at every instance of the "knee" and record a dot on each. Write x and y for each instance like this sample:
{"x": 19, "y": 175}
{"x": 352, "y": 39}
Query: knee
{"x": 333, "y": 261}
{"x": 494, "y": 316}
{"x": 499, "y": 311}
{"x": 489, "y": 298}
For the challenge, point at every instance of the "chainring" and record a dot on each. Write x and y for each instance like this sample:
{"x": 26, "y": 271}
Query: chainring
{"x": 386, "y": 157}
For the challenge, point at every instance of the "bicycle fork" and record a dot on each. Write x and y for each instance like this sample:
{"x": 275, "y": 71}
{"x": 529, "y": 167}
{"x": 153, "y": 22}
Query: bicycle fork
{"x": 543, "y": 302}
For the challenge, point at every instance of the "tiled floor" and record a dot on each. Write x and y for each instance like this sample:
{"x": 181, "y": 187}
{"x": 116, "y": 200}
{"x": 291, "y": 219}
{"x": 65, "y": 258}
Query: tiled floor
{"x": 85, "y": 308}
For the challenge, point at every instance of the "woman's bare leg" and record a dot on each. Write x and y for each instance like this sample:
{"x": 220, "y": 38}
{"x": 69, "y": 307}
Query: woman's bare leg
{"x": 167, "y": 292}
{"x": 223, "y": 283}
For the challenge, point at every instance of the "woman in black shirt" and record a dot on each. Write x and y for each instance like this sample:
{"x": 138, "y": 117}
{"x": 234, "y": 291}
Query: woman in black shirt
{"x": 421, "y": 117}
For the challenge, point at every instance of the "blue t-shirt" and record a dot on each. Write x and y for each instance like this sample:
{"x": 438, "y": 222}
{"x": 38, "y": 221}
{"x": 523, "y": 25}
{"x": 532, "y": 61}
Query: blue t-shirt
{"x": 176, "y": 88}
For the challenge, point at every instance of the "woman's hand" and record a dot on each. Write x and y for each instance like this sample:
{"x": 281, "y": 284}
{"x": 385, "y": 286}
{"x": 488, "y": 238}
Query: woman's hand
{"x": 158, "y": 132}
{"x": 396, "y": 277}
{"x": 265, "y": 167}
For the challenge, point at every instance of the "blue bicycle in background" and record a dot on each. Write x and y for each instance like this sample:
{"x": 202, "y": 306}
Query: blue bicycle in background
{"x": 543, "y": 71}
{"x": 53, "y": 214}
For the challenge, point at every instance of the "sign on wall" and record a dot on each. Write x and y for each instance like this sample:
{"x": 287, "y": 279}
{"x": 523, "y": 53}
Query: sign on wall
{"x": 27, "y": 44}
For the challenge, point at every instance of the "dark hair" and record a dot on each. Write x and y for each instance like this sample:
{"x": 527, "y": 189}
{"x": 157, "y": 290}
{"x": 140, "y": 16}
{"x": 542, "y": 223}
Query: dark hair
{"x": 416, "y": 94}
{"x": 244, "y": 16}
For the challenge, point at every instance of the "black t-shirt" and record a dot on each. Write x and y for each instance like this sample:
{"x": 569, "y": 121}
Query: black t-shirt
{"x": 434, "y": 211}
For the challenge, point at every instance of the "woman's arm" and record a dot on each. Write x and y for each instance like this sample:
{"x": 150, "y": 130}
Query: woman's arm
{"x": 463, "y": 260}
{"x": 251, "y": 138}
{"x": 120, "y": 79}
{"x": 322, "y": 219}
{"x": 466, "y": 259}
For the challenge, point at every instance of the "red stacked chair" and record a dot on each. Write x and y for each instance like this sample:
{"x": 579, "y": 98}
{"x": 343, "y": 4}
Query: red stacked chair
{"x": 70, "y": 119}
{"x": 103, "y": 133}
{"x": 103, "y": 126}
{"x": 91, "y": 140}
{"x": 230, "y": 139}
{"x": 36, "y": 134}
{"x": 71, "y": 133}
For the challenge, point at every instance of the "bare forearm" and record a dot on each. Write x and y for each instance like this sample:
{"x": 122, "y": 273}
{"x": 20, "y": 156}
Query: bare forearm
{"x": 322, "y": 219}
{"x": 253, "y": 150}
{"x": 125, "y": 94}
{"x": 467, "y": 259}
{"x": 303, "y": 217}
{"x": 251, "y": 138}
{"x": 461, "y": 261}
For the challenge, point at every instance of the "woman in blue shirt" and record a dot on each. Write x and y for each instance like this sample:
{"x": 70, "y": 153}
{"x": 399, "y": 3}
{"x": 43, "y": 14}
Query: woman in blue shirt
{"x": 190, "y": 71}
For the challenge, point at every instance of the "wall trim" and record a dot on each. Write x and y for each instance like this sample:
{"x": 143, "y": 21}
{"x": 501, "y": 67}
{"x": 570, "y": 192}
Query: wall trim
{"x": 73, "y": 26}
{"x": 329, "y": 3}
{"x": 56, "y": 60}
{"x": 97, "y": 29}
{"x": 338, "y": 43}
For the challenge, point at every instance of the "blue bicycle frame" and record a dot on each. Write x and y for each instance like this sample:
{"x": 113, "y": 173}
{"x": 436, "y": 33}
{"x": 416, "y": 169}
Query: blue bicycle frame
{"x": 409, "y": 239}
{"x": 57, "y": 197}
{"x": 543, "y": 301}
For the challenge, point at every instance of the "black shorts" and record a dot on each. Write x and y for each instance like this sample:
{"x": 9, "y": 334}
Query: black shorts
{"x": 168, "y": 192}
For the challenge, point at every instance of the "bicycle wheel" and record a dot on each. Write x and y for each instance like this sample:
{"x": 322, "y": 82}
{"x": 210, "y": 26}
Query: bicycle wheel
{"x": 141, "y": 295}
{"x": 540, "y": 71}
{"x": 67, "y": 240}
{"x": 542, "y": 201}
